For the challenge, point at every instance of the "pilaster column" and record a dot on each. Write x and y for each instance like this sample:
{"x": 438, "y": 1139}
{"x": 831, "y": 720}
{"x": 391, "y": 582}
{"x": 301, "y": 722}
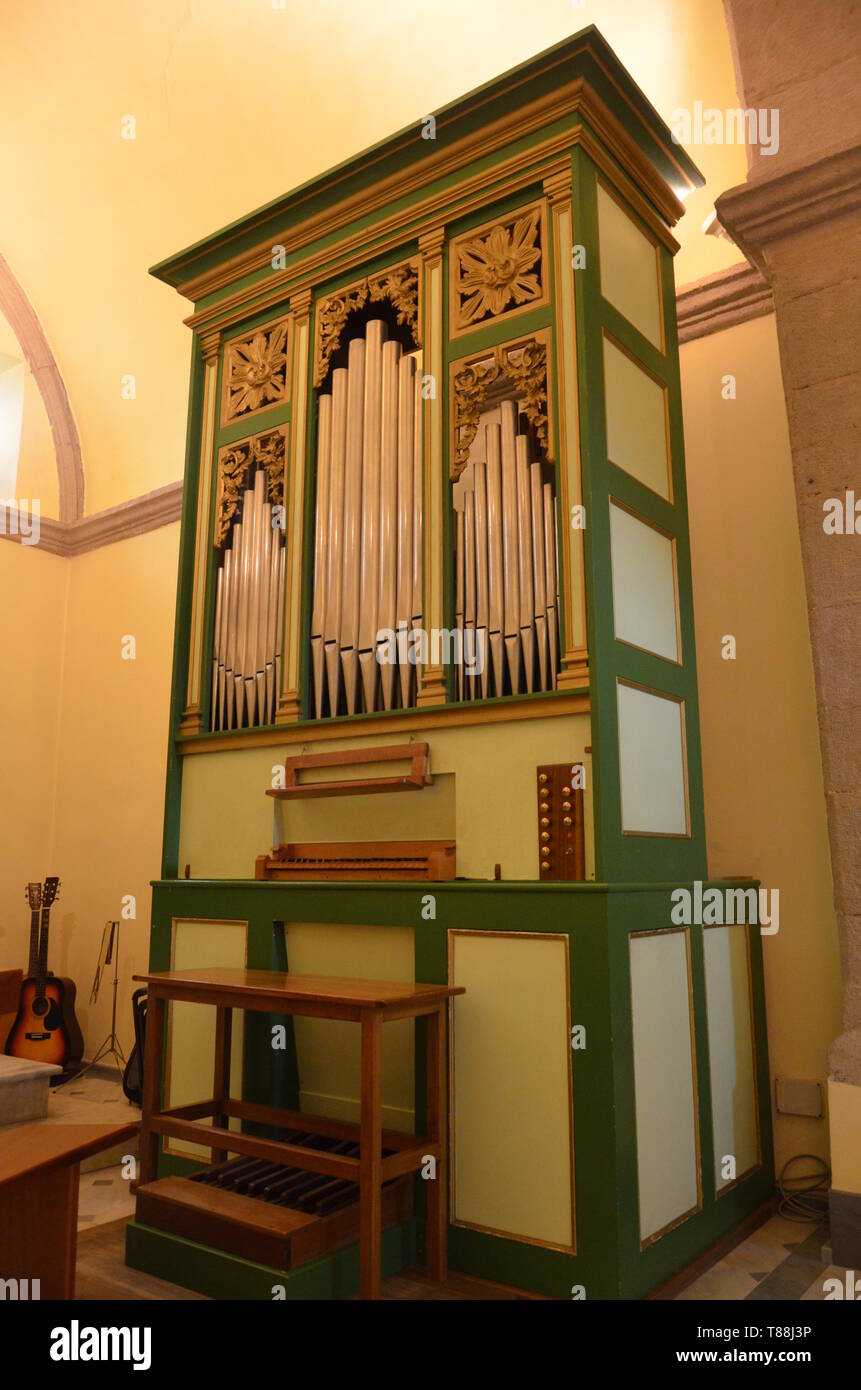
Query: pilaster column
{"x": 192, "y": 719}
{"x": 574, "y": 663}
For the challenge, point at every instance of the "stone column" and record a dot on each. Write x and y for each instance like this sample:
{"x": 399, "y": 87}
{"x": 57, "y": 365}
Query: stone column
{"x": 798, "y": 218}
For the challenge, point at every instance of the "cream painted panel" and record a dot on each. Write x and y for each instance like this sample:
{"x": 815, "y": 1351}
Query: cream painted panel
{"x": 629, "y": 268}
{"x": 667, "y": 1160}
{"x": 191, "y": 1027}
{"x": 425, "y": 815}
{"x": 510, "y": 1125}
{"x": 636, "y": 421}
{"x": 226, "y": 820}
{"x": 651, "y": 763}
{"x": 328, "y": 1050}
{"x": 644, "y": 585}
{"x": 731, "y": 1057}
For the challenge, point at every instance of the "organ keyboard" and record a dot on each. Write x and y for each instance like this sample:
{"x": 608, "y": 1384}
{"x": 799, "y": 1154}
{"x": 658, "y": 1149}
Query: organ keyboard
{"x": 272, "y": 1213}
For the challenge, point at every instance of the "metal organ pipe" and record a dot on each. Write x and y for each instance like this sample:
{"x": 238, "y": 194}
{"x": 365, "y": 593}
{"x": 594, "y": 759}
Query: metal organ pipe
{"x": 388, "y": 510}
{"x": 375, "y": 334}
{"x": 321, "y": 538}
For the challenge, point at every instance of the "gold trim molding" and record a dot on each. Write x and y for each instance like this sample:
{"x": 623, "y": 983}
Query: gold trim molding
{"x": 401, "y": 724}
{"x": 399, "y": 284}
{"x": 524, "y": 362}
{"x": 267, "y": 450}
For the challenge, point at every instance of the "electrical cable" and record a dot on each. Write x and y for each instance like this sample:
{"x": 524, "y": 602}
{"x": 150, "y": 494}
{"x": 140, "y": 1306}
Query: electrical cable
{"x": 804, "y": 1196}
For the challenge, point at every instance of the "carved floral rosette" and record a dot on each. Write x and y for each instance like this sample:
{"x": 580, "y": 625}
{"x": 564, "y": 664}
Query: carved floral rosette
{"x": 267, "y": 450}
{"x": 399, "y": 284}
{"x": 498, "y": 269}
{"x": 522, "y": 363}
{"x": 256, "y": 373}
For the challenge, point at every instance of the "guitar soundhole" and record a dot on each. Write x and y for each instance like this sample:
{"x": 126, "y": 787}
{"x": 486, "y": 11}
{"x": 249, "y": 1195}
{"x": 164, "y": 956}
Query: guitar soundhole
{"x": 40, "y": 1007}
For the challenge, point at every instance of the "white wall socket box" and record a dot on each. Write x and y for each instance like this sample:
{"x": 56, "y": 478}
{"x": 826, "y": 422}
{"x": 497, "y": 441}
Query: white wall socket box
{"x": 798, "y": 1097}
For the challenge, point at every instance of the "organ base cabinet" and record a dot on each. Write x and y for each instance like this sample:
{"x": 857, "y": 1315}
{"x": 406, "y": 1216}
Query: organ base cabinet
{"x": 435, "y": 515}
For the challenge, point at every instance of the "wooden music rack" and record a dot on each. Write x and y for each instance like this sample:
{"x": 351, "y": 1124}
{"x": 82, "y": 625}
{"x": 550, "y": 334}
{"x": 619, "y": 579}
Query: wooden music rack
{"x": 416, "y": 753}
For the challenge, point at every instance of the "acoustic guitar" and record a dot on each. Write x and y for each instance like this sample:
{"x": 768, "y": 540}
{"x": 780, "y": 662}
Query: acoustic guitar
{"x": 45, "y": 1029}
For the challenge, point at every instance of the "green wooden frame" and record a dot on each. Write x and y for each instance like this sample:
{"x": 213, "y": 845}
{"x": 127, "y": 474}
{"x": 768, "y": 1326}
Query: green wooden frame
{"x": 598, "y": 920}
{"x": 619, "y": 856}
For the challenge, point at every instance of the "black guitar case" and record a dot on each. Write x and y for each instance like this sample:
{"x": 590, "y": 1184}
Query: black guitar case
{"x": 133, "y": 1074}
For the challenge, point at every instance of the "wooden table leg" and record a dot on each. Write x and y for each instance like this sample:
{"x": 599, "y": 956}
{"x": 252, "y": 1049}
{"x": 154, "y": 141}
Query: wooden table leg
{"x": 221, "y": 1078}
{"x": 370, "y": 1156}
{"x": 151, "y": 1102}
{"x": 436, "y": 1130}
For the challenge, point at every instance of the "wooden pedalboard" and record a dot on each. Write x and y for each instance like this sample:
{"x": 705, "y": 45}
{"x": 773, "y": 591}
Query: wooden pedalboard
{"x": 360, "y": 860}
{"x": 561, "y": 840}
{"x": 267, "y": 1212}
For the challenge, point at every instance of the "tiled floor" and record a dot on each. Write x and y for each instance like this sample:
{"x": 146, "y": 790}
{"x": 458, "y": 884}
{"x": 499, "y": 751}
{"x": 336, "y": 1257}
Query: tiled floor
{"x": 98, "y": 1098}
{"x": 104, "y": 1196}
{"x": 781, "y": 1260}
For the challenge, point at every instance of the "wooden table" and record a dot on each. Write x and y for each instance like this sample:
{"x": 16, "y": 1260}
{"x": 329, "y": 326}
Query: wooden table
{"x": 39, "y": 1173}
{"x": 370, "y": 1003}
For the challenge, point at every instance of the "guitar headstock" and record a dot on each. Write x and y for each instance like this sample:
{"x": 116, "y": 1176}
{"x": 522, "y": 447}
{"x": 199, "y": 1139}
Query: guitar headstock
{"x": 50, "y": 891}
{"x": 33, "y": 894}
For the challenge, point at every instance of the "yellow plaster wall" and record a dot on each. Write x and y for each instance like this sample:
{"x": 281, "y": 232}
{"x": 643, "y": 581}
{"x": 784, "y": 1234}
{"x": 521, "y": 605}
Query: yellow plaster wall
{"x": 764, "y": 797}
{"x": 85, "y": 738}
{"x": 112, "y": 755}
{"x": 35, "y": 590}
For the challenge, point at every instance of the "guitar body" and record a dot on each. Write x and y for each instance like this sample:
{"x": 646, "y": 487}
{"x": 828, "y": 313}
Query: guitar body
{"x": 45, "y": 1028}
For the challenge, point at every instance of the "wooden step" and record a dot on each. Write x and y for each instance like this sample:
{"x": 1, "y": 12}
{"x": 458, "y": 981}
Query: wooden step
{"x": 280, "y": 1237}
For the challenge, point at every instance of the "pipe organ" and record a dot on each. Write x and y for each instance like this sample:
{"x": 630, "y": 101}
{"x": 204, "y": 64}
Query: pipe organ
{"x": 435, "y": 514}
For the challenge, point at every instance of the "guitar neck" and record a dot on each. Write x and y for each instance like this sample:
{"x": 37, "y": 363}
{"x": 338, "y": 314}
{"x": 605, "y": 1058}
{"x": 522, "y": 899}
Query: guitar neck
{"x": 42, "y": 971}
{"x": 33, "y": 964}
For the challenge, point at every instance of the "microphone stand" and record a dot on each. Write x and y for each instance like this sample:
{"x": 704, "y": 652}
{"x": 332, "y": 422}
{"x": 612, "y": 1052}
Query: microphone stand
{"x": 111, "y": 1045}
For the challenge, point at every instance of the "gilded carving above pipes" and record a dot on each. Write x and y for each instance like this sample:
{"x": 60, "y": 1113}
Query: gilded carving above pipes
{"x": 399, "y": 284}
{"x": 522, "y": 367}
{"x": 267, "y": 450}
